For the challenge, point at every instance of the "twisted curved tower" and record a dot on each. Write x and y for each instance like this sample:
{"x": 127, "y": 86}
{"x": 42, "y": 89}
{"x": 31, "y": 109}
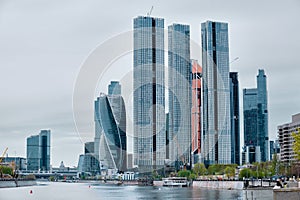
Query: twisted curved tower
{"x": 110, "y": 135}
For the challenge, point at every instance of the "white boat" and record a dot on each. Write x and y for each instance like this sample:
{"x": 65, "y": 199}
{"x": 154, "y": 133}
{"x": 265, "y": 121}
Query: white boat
{"x": 175, "y": 182}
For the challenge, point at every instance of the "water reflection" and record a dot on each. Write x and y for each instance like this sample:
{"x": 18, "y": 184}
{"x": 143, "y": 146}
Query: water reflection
{"x": 88, "y": 191}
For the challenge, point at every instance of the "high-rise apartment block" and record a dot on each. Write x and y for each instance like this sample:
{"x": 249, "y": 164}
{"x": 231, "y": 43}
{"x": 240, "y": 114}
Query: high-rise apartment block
{"x": 286, "y": 139}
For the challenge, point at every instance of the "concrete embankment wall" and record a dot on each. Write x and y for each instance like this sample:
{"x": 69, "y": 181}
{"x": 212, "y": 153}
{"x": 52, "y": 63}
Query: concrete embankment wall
{"x": 219, "y": 184}
{"x": 23, "y": 183}
{"x": 286, "y": 193}
{"x": 5, "y": 184}
{"x": 130, "y": 182}
{"x": 123, "y": 182}
{"x": 18, "y": 183}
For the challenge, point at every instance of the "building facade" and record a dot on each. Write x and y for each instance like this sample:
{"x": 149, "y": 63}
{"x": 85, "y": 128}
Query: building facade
{"x": 44, "y": 141}
{"x": 179, "y": 72}
{"x": 286, "y": 139}
{"x": 251, "y": 154}
{"x": 256, "y": 116}
{"x": 167, "y": 137}
{"x": 88, "y": 163}
{"x": 89, "y": 147}
{"x": 110, "y": 132}
{"x": 149, "y": 94}
{"x": 235, "y": 118}
{"x": 38, "y": 151}
{"x": 19, "y": 162}
{"x": 196, "y": 111}
{"x": 33, "y": 155}
{"x": 274, "y": 149}
{"x": 129, "y": 161}
{"x": 216, "y": 142}
{"x": 114, "y": 88}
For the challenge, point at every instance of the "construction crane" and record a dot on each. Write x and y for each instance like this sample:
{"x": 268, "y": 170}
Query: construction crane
{"x": 235, "y": 59}
{"x": 2, "y": 156}
{"x": 149, "y": 13}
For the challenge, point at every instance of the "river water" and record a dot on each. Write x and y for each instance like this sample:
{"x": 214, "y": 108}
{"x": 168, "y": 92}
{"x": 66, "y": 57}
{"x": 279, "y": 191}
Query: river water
{"x": 86, "y": 191}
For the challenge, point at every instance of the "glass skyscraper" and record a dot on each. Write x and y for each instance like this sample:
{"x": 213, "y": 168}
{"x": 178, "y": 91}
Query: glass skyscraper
{"x": 110, "y": 133}
{"x": 88, "y": 161}
{"x": 114, "y": 88}
{"x": 33, "y": 157}
{"x": 89, "y": 147}
{"x": 179, "y": 72}
{"x": 256, "y": 116}
{"x": 44, "y": 141}
{"x": 149, "y": 94}
{"x": 250, "y": 116}
{"x": 216, "y": 142}
{"x": 38, "y": 151}
{"x": 235, "y": 118}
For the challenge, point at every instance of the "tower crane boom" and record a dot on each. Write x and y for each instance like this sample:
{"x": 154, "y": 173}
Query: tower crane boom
{"x": 2, "y": 156}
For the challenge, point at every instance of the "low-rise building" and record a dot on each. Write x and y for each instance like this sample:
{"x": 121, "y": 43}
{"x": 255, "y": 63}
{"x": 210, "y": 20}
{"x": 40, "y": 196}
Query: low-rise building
{"x": 19, "y": 162}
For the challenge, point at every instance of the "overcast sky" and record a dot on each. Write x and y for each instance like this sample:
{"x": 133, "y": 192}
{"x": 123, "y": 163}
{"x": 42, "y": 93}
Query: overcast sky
{"x": 43, "y": 44}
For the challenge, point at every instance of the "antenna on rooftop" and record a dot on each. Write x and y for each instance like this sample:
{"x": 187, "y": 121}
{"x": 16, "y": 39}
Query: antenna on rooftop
{"x": 149, "y": 13}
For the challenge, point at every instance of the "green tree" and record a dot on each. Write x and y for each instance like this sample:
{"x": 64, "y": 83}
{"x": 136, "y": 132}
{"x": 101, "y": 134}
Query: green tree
{"x": 192, "y": 176}
{"x": 219, "y": 169}
{"x": 245, "y": 173}
{"x": 6, "y": 170}
{"x": 296, "y": 145}
{"x": 52, "y": 178}
{"x": 211, "y": 170}
{"x": 274, "y": 165}
{"x": 184, "y": 173}
{"x": 229, "y": 171}
{"x": 155, "y": 175}
{"x": 199, "y": 169}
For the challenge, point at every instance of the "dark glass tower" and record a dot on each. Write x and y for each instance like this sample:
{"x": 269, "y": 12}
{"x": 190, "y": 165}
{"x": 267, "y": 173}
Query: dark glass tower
{"x": 38, "y": 151}
{"x": 44, "y": 150}
{"x": 235, "y": 118}
{"x": 256, "y": 116}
